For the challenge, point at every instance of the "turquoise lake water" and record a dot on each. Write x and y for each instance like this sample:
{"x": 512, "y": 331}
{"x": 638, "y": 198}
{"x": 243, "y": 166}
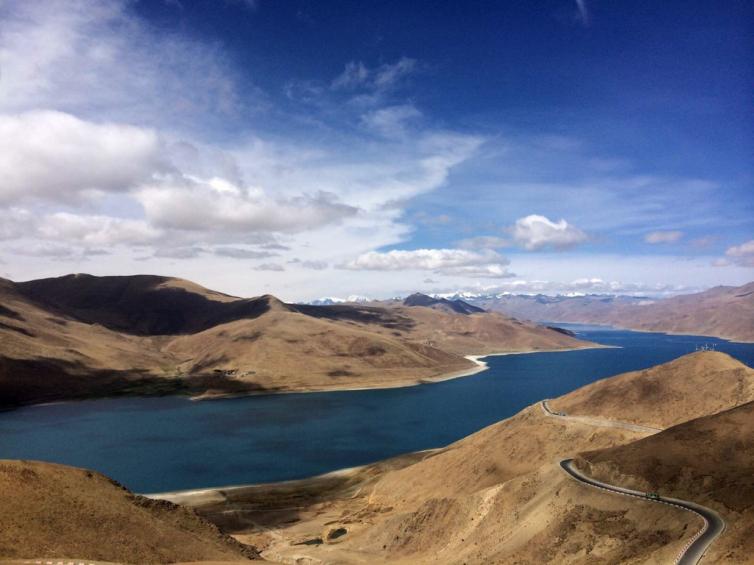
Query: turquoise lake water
{"x": 171, "y": 443}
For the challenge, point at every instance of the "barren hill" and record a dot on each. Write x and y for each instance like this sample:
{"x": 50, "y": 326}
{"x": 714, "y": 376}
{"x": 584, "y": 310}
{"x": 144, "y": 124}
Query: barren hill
{"x": 500, "y": 496}
{"x": 709, "y": 460}
{"x": 689, "y": 387}
{"x": 54, "y": 511}
{"x": 80, "y": 335}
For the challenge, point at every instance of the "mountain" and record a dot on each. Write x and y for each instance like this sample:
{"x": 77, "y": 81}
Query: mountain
{"x": 500, "y": 495}
{"x": 331, "y": 300}
{"x": 724, "y": 311}
{"x": 457, "y": 306}
{"x": 67, "y": 513}
{"x": 658, "y": 396}
{"x": 79, "y": 336}
{"x": 709, "y": 460}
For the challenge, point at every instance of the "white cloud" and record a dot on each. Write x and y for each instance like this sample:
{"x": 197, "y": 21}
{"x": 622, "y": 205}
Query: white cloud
{"x": 382, "y": 78}
{"x": 670, "y": 236}
{"x": 355, "y": 74}
{"x": 388, "y": 75}
{"x": 96, "y": 230}
{"x": 441, "y": 261}
{"x": 97, "y": 57}
{"x": 577, "y": 287}
{"x": 216, "y": 205}
{"x": 56, "y": 156}
{"x": 242, "y": 253}
{"x": 16, "y": 223}
{"x": 190, "y": 252}
{"x": 742, "y": 250}
{"x": 391, "y": 121}
{"x": 270, "y": 267}
{"x": 742, "y": 254}
{"x": 535, "y": 232}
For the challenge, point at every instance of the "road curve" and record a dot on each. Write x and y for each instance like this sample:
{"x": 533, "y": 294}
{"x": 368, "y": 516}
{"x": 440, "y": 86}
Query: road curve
{"x": 599, "y": 422}
{"x": 694, "y": 550}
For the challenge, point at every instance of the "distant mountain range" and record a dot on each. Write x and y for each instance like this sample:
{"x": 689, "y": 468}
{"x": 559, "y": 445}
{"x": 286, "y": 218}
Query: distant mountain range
{"x": 458, "y": 306}
{"x": 723, "y": 311}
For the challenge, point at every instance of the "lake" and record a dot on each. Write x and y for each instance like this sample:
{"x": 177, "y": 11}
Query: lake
{"x": 172, "y": 443}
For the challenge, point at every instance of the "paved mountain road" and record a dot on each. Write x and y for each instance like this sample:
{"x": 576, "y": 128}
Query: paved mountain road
{"x": 694, "y": 550}
{"x": 714, "y": 525}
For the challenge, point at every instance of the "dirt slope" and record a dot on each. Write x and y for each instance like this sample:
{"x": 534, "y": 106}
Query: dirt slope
{"x": 57, "y": 511}
{"x": 709, "y": 460}
{"x": 79, "y": 336}
{"x": 498, "y": 496}
{"x": 689, "y": 387}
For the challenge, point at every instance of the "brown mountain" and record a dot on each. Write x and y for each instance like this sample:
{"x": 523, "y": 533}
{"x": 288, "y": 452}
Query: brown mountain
{"x": 54, "y": 511}
{"x": 499, "y": 496}
{"x": 709, "y": 460}
{"x": 659, "y": 396}
{"x": 79, "y": 335}
{"x": 724, "y": 311}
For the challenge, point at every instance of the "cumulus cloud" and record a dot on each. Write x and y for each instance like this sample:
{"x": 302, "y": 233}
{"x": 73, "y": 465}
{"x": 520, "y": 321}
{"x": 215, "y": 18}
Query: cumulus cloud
{"x": 536, "y": 232}
{"x": 441, "y": 261}
{"x": 56, "y": 156}
{"x": 216, "y": 205}
{"x": 670, "y": 236}
{"x": 97, "y": 230}
{"x": 742, "y": 254}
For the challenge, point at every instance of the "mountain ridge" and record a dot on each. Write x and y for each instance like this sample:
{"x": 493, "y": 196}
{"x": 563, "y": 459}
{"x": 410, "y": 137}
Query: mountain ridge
{"x": 79, "y": 335}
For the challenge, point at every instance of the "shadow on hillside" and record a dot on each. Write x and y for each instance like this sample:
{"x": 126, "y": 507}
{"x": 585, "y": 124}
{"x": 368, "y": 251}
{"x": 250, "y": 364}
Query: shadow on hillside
{"x": 35, "y": 381}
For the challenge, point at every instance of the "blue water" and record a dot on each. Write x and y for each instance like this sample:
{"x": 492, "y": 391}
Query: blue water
{"x": 170, "y": 443}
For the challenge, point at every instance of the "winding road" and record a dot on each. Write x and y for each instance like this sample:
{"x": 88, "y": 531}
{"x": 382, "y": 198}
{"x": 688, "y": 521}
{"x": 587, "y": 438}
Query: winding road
{"x": 714, "y": 525}
{"x": 599, "y": 422}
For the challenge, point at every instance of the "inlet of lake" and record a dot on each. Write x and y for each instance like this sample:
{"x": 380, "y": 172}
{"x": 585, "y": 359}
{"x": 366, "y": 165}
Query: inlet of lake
{"x": 171, "y": 443}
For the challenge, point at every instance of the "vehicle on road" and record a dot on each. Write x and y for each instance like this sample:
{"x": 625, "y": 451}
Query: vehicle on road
{"x": 652, "y": 496}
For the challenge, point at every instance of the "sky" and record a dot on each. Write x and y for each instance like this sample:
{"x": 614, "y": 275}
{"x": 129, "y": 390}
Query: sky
{"x": 376, "y": 148}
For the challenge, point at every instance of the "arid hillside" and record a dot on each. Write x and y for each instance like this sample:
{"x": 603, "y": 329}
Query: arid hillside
{"x": 499, "y": 496}
{"x": 660, "y": 396}
{"x": 724, "y": 311}
{"x": 709, "y": 460}
{"x": 54, "y": 511}
{"x": 79, "y": 336}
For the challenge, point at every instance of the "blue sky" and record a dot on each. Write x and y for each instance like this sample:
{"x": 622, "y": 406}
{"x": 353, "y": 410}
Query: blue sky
{"x": 331, "y": 148}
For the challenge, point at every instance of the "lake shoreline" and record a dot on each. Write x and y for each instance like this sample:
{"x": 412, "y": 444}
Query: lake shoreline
{"x": 443, "y": 377}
